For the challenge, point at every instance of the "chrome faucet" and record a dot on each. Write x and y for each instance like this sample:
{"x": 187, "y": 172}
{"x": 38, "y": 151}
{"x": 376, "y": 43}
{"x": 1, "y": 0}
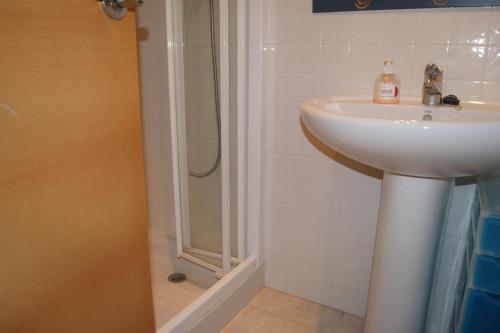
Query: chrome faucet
{"x": 433, "y": 85}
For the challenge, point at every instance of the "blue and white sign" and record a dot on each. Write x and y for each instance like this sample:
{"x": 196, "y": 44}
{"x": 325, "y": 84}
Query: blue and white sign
{"x": 323, "y": 6}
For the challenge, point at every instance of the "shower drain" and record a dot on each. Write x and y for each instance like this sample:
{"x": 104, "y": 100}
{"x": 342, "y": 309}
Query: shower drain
{"x": 177, "y": 277}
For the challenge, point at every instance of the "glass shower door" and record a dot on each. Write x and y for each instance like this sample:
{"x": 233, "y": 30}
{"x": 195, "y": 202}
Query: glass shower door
{"x": 209, "y": 81}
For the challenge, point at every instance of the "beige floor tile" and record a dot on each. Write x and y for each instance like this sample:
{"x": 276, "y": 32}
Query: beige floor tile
{"x": 169, "y": 298}
{"x": 296, "y": 309}
{"x": 349, "y": 324}
{"x": 253, "y": 320}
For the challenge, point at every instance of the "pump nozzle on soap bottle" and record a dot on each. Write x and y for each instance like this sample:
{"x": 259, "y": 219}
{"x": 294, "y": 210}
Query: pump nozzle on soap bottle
{"x": 386, "y": 89}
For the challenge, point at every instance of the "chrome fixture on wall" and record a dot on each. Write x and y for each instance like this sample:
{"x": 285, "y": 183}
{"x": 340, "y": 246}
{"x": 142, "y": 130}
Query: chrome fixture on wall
{"x": 117, "y": 9}
{"x": 433, "y": 85}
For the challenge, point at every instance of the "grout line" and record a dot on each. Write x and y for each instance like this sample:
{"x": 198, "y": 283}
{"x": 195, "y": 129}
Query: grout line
{"x": 293, "y": 321}
{"x": 342, "y": 313}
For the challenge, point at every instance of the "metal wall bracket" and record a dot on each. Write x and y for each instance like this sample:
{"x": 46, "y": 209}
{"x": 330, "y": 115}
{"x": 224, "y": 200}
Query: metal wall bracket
{"x": 117, "y": 9}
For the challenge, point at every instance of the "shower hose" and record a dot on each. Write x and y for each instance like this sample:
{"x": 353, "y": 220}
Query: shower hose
{"x": 216, "y": 93}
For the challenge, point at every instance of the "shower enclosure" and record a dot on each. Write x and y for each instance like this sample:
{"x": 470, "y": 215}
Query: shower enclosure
{"x": 207, "y": 81}
{"x": 201, "y": 84}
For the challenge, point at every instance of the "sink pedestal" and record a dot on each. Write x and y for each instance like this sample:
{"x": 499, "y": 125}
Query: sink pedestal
{"x": 409, "y": 227}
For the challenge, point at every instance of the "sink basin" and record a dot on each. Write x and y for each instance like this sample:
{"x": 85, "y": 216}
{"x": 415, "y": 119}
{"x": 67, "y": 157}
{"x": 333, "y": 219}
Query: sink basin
{"x": 420, "y": 149}
{"x": 409, "y": 138}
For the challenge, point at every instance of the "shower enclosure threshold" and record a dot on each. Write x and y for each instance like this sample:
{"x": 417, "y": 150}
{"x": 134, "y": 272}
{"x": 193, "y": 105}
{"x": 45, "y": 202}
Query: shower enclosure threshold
{"x": 202, "y": 312}
{"x": 207, "y": 259}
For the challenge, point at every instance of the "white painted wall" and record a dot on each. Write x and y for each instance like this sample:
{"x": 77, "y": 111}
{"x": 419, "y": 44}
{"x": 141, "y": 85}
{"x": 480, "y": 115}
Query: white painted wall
{"x": 321, "y": 215}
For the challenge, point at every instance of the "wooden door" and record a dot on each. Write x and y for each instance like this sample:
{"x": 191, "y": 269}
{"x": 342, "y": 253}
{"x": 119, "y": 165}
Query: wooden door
{"x": 73, "y": 228}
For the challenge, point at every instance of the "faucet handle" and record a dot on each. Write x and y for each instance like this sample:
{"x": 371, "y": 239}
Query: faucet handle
{"x": 433, "y": 72}
{"x": 433, "y": 85}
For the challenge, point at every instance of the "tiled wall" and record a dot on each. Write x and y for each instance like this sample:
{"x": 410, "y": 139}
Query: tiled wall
{"x": 321, "y": 214}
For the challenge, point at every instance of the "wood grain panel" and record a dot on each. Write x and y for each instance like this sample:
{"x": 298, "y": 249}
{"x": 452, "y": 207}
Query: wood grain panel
{"x": 73, "y": 233}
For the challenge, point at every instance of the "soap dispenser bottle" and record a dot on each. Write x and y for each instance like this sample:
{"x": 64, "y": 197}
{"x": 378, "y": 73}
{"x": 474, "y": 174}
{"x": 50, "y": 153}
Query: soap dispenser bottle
{"x": 387, "y": 87}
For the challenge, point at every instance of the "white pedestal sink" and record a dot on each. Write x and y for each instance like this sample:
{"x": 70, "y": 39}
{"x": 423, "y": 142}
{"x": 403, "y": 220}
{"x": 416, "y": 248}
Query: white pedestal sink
{"x": 420, "y": 149}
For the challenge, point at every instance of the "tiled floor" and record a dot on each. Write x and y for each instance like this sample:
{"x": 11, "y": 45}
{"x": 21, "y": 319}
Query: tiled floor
{"x": 269, "y": 312}
{"x": 169, "y": 298}
{"x": 274, "y": 312}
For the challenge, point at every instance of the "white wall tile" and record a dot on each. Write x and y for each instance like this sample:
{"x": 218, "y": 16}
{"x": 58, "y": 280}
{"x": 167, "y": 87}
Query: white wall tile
{"x": 275, "y": 237}
{"x": 278, "y": 166}
{"x": 279, "y": 29}
{"x": 275, "y": 279}
{"x": 305, "y": 59}
{"x": 490, "y": 91}
{"x": 278, "y": 190}
{"x": 335, "y": 59}
{"x": 425, "y": 54}
{"x": 467, "y": 90}
{"x": 277, "y": 215}
{"x": 472, "y": 27}
{"x": 341, "y": 299}
{"x": 306, "y": 219}
{"x": 361, "y": 85}
{"x": 492, "y": 64}
{"x": 321, "y": 216}
{"x": 296, "y": 265}
{"x": 306, "y": 29}
{"x": 278, "y": 59}
{"x": 366, "y": 27}
{"x": 311, "y": 171}
{"x": 435, "y": 26}
{"x": 280, "y": 139}
{"x": 494, "y": 30}
{"x": 345, "y": 278}
{"x": 466, "y": 62}
{"x": 301, "y": 6}
{"x": 336, "y": 28}
{"x": 360, "y": 304}
{"x": 297, "y": 285}
{"x": 402, "y": 55}
{"x": 303, "y": 87}
{"x": 283, "y": 114}
{"x": 275, "y": 258}
{"x": 334, "y": 85}
{"x": 303, "y": 147}
{"x": 309, "y": 196}
{"x": 366, "y": 60}
{"x": 278, "y": 86}
{"x": 279, "y": 7}
{"x": 398, "y": 27}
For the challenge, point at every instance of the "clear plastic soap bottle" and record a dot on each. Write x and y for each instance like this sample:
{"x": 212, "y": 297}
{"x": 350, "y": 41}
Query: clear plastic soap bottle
{"x": 387, "y": 86}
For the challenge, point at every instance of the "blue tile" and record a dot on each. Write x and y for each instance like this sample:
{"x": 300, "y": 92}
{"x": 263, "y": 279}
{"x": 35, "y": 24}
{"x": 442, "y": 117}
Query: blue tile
{"x": 487, "y": 274}
{"x": 481, "y": 313}
{"x": 490, "y": 239}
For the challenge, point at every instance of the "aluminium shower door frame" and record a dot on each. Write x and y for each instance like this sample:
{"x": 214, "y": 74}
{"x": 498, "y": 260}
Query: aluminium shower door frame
{"x": 179, "y": 140}
{"x": 177, "y": 99}
{"x": 213, "y": 306}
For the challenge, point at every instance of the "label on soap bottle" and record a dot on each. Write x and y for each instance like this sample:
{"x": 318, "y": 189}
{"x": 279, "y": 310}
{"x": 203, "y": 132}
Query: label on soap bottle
{"x": 388, "y": 91}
